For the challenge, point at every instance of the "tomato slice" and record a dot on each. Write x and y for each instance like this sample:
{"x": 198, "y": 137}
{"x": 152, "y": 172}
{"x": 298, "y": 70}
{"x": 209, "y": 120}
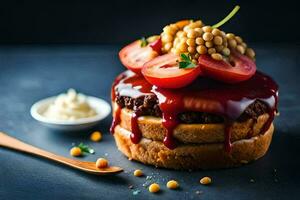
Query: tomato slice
{"x": 133, "y": 56}
{"x": 238, "y": 68}
{"x": 163, "y": 71}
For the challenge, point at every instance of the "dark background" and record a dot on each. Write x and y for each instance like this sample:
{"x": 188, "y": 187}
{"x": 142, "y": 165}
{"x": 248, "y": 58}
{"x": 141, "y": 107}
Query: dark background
{"x": 118, "y": 22}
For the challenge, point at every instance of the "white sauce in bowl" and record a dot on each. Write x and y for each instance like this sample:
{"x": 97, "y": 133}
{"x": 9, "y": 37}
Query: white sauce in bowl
{"x": 69, "y": 106}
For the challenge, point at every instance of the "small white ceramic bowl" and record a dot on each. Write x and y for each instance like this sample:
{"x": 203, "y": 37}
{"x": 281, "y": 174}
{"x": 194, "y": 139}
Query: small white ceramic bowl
{"x": 99, "y": 105}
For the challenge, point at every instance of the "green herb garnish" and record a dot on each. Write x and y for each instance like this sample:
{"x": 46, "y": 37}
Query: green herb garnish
{"x": 144, "y": 42}
{"x": 86, "y": 148}
{"x": 230, "y": 15}
{"x": 186, "y": 62}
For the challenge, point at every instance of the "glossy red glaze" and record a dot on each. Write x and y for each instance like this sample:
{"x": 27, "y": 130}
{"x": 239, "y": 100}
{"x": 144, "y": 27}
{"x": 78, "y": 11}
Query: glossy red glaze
{"x": 203, "y": 95}
{"x": 116, "y": 120}
{"x": 136, "y": 134}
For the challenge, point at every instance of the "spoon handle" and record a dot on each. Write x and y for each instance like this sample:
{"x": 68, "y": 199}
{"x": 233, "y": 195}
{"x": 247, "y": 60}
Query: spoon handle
{"x": 12, "y": 143}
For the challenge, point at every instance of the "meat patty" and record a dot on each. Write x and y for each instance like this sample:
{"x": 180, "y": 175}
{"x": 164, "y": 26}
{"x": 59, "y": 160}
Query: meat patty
{"x": 148, "y": 105}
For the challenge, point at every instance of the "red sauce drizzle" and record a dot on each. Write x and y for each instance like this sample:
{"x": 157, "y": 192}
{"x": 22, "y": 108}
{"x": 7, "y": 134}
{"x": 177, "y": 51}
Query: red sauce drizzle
{"x": 115, "y": 83}
{"x": 169, "y": 122}
{"x": 116, "y": 120}
{"x": 227, "y": 132}
{"x": 136, "y": 134}
{"x": 203, "y": 95}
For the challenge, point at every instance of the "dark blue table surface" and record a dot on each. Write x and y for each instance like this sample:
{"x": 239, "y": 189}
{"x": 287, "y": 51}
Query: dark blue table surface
{"x": 30, "y": 73}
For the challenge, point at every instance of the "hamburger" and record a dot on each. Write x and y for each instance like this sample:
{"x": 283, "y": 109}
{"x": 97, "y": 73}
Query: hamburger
{"x": 192, "y": 98}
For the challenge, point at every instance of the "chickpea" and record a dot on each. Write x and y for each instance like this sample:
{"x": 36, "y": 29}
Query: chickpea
{"x": 225, "y": 43}
{"x": 232, "y": 43}
{"x": 191, "y": 49}
{"x": 238, "y": 39}
{"x": 197, "y": 55}
{"x": 218, "y": 40}
{"x": 172, "y": 184}
{"x": 201, "y": 49}
{"x": 226, "y": 51}
{"x": 223, "y": 34}
{"x": 230, "y": 36}
{"x": 205, "y": 180}
{"x": 138, "y": 172}
{"x": 169, "y": 30}
{"x": 167, "y": 38}
{"x": 96, "y": 136}
{"x": 152, "y": 38}
{"x": 199, "y": 23}
{"x": 181, "y": 34}
{"x": 250, "y": 53}
{"x": 240, "y": 49}
{"x": 183, "y": 47}
{"x": 194, "y": 25}
{"x": 75, "y": 151}
{"x": 164, "y": 50}
{"x": 176, "y": 41}
{"x": 216, "y": 32}
{"x": 194, "y": 61}
{"x": 209, "y": 44}
{"x": 186, "y": 28}
{"x": 207, "y": 28}
{"x": 244, "y": 45}
{"x": 216, "y": 56}
{"x": 219, "y": 48}
{"x": 101, "y": 163}
{"x": 174, "y": 27}
{"x": 199, "y": 41}
{"x": 178, "y": 33}
{"x": 168, "y": 46}
{"x": 211, "y": 50}
{"x": 192, "y": 33}
{"x": 183, "y": 39}
{"x": 199, "y": 31}
{"x": 177, "y": 51}
{"x": 191, "y": 42}
{"x": 154, "y": 187}
{"x": 207, "y": 36}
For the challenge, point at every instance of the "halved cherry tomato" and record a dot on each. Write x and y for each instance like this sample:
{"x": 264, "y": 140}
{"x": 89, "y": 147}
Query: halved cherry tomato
{"x": 133, "y": 56}
{"x": 163, "y": 71}
{"x": 238, "y": 68}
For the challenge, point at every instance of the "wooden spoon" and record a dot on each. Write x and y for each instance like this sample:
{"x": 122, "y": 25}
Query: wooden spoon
{"x": 89, "y": 167}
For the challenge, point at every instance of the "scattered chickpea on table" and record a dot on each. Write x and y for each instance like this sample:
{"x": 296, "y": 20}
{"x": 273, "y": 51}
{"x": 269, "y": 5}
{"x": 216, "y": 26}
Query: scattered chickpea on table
{"x": 205, "y": 180}
{"x": 75, "y": 151}
{"x": 96, "y": 136}
{"x": 172, "y": 184}
{"x": 154, "y": 188}
{"x": 138, "y": 172}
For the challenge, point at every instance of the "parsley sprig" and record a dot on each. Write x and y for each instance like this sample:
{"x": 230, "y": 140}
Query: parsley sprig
{"x": 144, "y": 42}
{"x": 85, "y": 148}
{"x": 186, "y": 61}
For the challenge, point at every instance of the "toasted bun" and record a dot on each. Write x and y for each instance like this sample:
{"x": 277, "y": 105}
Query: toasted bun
{"x": 193, "y": 156}
{"x": 152, "y": 128}
{"x": 201, "y": 145}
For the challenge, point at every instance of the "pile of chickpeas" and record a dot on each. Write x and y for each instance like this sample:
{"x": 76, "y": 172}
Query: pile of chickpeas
{"x": 195, "y": 38}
